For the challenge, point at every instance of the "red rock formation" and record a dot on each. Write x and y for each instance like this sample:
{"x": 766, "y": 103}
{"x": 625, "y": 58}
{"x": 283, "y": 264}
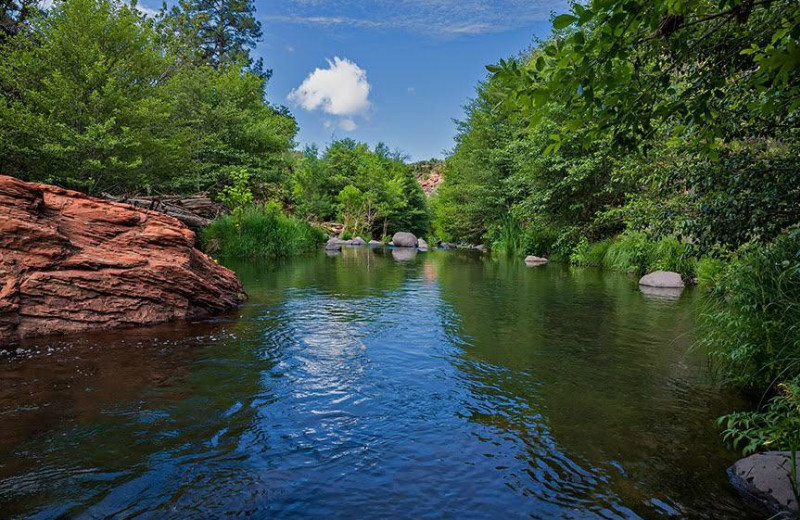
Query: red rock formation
{"x": 70, "y": 262}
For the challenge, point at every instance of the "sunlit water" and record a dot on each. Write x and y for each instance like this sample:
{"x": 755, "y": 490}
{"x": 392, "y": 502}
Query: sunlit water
{"x": 364, "y": 385}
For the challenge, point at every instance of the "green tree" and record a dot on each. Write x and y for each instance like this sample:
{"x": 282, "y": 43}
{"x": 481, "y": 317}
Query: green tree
{"x": 222, "y": 32}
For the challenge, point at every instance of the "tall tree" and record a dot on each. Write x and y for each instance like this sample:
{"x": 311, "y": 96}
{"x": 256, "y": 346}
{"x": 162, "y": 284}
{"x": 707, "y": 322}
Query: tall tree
{"x": 222, "y": 31}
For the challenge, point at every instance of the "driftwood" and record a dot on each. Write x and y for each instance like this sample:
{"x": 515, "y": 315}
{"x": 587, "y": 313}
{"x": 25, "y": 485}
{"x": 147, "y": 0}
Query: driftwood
{"x": 196, "y": 211}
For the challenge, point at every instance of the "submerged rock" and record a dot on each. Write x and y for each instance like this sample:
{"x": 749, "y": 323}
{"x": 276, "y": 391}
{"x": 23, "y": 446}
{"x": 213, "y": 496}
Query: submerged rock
{"x": 764, "y": 478}
{"x": 404, "y": 239}
{"x": 71, "y": 263}
{"x": 662, "y": 279}
{"x": 532, "y": 261}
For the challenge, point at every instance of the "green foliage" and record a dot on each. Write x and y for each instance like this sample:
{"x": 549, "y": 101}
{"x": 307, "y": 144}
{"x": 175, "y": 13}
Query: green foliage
{"x": 509, "y": 237}
{"x": 752, "y": 323}
{"x": 238, "y": 195}
{"x": 775, "y": 427}
{"x": 373, "y": 192}
{"x": 97, "y": 97}
{"x": 261, "y": 231}
{"x": 706, "y": 70}
{"x": 219, "y": 32}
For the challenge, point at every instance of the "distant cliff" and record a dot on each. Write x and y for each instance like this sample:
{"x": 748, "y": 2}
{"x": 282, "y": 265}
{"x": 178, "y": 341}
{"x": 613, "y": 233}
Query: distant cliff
{"x": 429, "y": 174}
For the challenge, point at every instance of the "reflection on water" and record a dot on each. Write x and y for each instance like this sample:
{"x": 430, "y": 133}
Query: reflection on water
{"x": 444, "y": 385}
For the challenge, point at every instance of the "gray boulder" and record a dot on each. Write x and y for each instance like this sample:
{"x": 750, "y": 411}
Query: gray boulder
{"x": 662, "y": 279}
{"x": 533, "y": 261}
{"x": 764, "y": 478}
{"x": 358, "y": 241}
{"x": 404, "y": 239}
{"x": 334, "y": 244}
{"x": 422, "y": 245}
{"x": 375, "y": 243}
{"x": 481, "y": 248}
{"x": 447, "y": 245}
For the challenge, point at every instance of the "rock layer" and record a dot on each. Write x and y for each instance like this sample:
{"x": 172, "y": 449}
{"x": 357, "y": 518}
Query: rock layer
{"x": 71, "y": 263}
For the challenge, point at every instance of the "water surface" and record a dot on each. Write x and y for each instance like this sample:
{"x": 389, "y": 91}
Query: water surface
{"x": 377, "y": 385}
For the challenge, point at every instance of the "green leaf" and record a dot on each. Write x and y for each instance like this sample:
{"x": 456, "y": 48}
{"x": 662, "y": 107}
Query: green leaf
{"x": 564, "y": 20}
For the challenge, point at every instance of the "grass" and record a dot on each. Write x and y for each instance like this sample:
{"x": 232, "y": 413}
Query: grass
{"x": 261, "y": 231}
{"x": 636, "y": 252}
{"x": 751, "y": 324}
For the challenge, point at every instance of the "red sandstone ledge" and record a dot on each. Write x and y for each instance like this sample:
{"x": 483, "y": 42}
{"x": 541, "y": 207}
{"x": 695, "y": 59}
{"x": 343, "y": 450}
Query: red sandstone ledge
{"x": 72, "y": 263}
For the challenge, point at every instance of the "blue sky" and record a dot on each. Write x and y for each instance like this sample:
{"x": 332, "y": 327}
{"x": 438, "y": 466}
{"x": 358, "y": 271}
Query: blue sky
{"x": 396, "y": 71}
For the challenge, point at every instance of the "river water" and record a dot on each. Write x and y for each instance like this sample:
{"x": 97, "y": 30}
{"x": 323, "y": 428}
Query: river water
{"x": 373, "y": 385}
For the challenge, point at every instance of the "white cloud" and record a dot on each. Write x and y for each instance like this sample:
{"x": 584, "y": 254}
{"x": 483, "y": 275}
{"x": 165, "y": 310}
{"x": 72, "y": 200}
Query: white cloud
{"x": 340, "y": 90}
{"x": 412, "y": 91}
{"x": 347, "y": 124}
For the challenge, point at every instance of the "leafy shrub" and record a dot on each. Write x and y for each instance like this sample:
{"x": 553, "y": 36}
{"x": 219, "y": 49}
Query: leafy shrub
{"x": 752, "y": 322}
{"x": 262, "y": 231}
{"x": 709, "y": 271}
{"x": 538, "y": 240}
{"x": 775, "y": 427}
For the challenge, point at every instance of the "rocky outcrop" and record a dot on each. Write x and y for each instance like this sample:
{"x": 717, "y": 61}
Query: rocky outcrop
{"x": 404, "y": 239}
{"x": 533, "y": 261}
{"x": 764, "y": 478}
{"x": 662, "y": 279}
{"x": 71, "y": 263}
{"x": 429, "y": 175}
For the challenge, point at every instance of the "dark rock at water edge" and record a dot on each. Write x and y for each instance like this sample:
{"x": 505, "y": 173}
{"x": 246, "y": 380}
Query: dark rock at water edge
{"x": 764, "y": 479}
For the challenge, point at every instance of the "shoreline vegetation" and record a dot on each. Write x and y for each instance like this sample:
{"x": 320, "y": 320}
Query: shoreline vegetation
{"x": 640, "y": 135}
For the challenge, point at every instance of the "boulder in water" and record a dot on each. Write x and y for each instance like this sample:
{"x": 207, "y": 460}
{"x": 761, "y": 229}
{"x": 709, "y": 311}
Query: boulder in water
{"x": 764, "y": 478}
{"x": 533, "y": 261}
{"x": 72, "y": 263}
{"x": 662, "y": 279}
{"x": 375, "y": 243}
{"x": 404, "y": 239}
{"x": 422, "y": 245}
{"x": 333, "y": 244}
{"x": 358, "y": 241}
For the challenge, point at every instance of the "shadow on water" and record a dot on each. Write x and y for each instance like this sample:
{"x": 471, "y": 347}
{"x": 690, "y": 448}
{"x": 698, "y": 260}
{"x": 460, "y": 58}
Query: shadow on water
{"x": 434, "y": 384}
